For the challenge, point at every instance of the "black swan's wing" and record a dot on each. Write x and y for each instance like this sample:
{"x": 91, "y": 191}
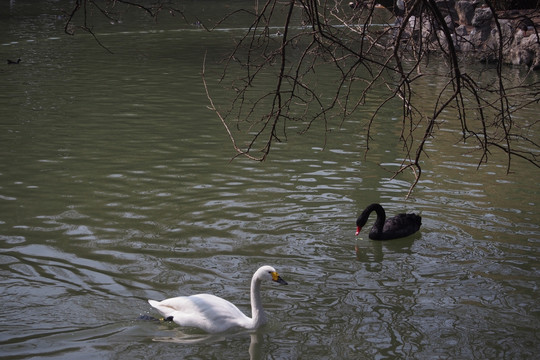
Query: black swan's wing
{"x": 401, "y": 225}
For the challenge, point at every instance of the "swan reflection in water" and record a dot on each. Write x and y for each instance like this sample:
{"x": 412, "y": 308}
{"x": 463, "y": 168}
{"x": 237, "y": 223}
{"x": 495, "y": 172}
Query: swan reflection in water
{"x": 190, "y": 339}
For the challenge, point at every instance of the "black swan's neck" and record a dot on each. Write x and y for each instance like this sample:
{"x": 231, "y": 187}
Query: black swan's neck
{"x": 381, "y": 217}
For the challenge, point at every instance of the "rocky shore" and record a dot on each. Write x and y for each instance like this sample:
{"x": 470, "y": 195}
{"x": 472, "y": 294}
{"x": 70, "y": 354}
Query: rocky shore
{"x": 474, "y": 29}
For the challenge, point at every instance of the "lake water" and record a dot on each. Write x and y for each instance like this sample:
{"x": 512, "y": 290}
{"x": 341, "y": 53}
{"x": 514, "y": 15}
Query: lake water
{"x": 117, "y": 186}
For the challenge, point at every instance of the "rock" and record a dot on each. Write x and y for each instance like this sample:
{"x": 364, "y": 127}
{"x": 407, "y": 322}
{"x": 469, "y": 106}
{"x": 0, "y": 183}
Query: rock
{"x": 527, "y": 52}
{"x": 480, "y": 35}
{"x": 461, "y": 30}
{"x": 482, "y": 17}
{"x": 450, "y": 23}
{"x": 462, "y": 39}
{"x": 465, "y": 11}
{"x": 520, "y": 57}
{"x": 474, "y": 32}
{"x": 447, "y": 8}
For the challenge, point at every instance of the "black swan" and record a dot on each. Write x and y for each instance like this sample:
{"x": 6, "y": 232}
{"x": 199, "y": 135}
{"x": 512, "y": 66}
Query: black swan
{"x": 399, "y": 226}
{"x": 11, "y": 62}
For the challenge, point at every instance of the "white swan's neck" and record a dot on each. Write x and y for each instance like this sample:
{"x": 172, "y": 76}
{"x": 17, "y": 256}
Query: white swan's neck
{"x": 258, "y": 316}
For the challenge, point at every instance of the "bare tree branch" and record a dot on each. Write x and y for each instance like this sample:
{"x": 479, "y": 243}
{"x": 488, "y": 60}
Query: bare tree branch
{"x": 327, "y": 37}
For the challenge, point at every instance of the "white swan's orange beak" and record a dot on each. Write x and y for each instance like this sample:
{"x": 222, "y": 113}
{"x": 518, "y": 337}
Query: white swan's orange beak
{"x": 278, "y": 279}
{"x": 358, "y": 228}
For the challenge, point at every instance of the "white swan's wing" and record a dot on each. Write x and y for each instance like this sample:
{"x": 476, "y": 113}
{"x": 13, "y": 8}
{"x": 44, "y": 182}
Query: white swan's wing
{"x": 207, "y": 312}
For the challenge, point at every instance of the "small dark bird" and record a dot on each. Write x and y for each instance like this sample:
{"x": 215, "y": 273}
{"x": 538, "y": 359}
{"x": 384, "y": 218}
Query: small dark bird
{"x": 11, "y": 62}
{"x": 399, "y": 226}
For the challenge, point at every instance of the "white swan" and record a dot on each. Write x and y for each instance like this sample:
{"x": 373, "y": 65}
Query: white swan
{"x": 214, "y": 314}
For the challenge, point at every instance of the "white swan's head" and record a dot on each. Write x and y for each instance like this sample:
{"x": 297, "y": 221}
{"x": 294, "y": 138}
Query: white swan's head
{"x": 268, "y": 273}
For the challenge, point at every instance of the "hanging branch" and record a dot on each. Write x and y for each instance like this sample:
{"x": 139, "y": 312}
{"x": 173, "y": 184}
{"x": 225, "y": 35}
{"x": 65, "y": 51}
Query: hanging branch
{"x": 327, "y": 36}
